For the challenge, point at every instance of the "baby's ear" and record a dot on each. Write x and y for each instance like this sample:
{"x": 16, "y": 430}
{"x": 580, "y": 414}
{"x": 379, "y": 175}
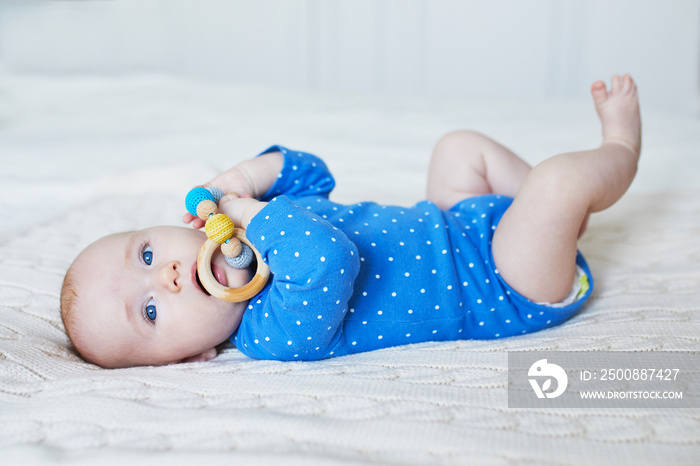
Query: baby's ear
{"x": 202, "y": 357}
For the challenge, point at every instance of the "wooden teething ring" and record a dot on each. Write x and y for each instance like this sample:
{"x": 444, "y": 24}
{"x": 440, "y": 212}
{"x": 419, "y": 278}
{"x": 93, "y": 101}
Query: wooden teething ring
{"x": 216, "y": 289}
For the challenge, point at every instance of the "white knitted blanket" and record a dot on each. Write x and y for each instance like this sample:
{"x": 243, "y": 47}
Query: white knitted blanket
{"x": 86, "y": 157}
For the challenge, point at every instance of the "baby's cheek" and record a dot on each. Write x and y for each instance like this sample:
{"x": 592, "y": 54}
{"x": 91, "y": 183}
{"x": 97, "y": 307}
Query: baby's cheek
{"x": 220, "y": 319}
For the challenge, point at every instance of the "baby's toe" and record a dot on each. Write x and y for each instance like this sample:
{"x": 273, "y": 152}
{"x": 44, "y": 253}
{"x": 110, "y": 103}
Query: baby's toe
{"x": 616, "y": 85}
{"x": 627, "y": 83}
{"x": 600, "y": 93}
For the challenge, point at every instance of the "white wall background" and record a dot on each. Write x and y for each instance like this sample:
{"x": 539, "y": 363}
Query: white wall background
{"x": 504, "y": 49}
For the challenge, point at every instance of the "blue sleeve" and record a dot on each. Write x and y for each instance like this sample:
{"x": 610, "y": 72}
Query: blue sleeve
{"x": 299, "y": 315}
{"x": 302, "y": 175}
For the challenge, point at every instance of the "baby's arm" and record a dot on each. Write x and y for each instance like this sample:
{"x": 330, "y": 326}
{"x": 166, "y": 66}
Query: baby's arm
{"x": 313, "y": 266}
{"x": 250, "y": 179}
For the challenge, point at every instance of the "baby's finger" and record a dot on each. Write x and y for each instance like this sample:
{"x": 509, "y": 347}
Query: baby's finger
{"x": 230, "y": 197}
{"x": 196, "y": 221}
{"x": 229, "y": 205}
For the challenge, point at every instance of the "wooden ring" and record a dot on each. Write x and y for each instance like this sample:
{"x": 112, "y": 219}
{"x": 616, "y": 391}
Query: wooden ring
{"x": 216, "y": 289}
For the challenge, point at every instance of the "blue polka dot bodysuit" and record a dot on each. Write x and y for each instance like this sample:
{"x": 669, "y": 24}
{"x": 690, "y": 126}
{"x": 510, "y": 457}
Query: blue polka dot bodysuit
{"x": 352, "y": 278}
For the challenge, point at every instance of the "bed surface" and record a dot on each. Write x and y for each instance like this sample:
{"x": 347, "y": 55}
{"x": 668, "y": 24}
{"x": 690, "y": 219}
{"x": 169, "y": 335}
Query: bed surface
{"x": 83, "y": 157}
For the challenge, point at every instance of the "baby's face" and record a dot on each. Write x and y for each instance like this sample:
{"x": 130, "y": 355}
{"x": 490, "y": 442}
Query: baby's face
{"x": 139, "y": 303}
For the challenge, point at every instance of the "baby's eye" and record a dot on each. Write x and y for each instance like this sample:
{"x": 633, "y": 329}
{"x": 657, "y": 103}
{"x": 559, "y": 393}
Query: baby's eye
{"x": 151, "y": 310}
{"x": 147, "y": 254}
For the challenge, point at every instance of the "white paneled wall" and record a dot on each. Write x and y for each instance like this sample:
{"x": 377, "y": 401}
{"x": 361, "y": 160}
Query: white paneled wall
{"x": 492, "y": 49}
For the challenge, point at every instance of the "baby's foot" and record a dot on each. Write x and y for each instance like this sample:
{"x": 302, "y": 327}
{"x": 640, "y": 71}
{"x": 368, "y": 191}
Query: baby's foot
{"x": 618, "y": 110}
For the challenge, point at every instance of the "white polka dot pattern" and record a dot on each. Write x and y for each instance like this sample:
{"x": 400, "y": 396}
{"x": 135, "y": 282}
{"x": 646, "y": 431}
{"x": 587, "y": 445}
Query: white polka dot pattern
{"x": 407, "y": 274}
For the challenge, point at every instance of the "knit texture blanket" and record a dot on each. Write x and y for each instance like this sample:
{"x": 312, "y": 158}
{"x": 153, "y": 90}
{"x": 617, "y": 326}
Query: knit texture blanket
{"x": 432, "y": 403}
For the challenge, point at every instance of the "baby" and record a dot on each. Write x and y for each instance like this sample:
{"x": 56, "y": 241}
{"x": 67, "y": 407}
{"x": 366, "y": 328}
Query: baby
{"x": 492, "y": 253}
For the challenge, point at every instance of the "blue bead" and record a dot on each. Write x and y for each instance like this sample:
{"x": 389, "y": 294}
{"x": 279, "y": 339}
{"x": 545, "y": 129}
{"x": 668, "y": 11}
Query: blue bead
{"x": 194, "y": 197}
{"x": 243, "y": 260}
{"x": 216, "y": 192}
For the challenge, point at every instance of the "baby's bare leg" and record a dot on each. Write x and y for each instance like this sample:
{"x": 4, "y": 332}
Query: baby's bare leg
{"x": 466, "y": 164}
{"x": 534, "y": 246}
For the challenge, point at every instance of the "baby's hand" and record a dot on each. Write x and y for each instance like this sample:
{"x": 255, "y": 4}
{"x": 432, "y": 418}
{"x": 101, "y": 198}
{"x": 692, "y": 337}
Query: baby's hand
{"x": 240, "y": 209}
{"x": 230, "y": 181}
{"x": 250, "y": 179}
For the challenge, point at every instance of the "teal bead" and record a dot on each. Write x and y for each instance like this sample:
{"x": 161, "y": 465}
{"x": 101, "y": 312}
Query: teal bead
{"x": 194, "y": 197}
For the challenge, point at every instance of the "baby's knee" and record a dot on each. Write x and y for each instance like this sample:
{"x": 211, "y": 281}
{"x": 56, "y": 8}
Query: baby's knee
{"x": 556, "y": 187}
{"x": 459, "y": 145}
{"x": 460, "y": 139}
{"x": 556, "y": 172}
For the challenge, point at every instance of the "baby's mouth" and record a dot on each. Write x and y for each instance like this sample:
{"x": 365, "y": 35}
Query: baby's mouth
{"x": 199, "y": 283}
{"x": 218, "y": 273}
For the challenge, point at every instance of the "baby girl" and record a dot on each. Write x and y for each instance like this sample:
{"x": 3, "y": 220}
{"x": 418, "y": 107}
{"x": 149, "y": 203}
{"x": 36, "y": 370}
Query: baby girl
{"x": 491, "y": 253}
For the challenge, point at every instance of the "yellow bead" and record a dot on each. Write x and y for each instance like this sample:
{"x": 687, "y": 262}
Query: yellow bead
{"x": 206, "y": 208}
{"x": 219, "y": 228}
{"x": 232, "y": 248}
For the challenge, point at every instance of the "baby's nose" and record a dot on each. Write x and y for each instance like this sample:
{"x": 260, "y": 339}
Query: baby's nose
{"x": 170, "y": 276}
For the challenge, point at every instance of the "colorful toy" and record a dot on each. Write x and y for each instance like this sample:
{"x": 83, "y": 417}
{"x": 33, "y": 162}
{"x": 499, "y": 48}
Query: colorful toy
{"x": 237, "y": 250}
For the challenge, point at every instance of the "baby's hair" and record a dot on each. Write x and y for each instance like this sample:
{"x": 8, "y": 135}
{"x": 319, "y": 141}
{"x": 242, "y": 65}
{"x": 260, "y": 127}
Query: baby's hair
{"x": 69, "y": 299}
{"x": 69, "y": 302}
